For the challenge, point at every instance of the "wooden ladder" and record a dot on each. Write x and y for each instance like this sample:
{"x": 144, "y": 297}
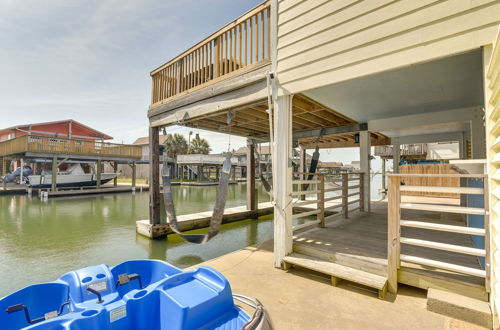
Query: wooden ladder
{"x": 338, "y": 272}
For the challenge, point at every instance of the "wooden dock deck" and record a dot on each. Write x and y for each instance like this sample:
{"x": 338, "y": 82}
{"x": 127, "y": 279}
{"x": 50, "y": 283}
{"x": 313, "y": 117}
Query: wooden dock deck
{"x": 202, "y": 220}
{"x": 360, "y": 242}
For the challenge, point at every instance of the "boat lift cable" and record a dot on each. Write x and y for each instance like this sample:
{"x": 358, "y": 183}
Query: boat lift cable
{"x": 220, "y": 202}
{"x": 315, "y": 159}
{"x": 270, "y": 108}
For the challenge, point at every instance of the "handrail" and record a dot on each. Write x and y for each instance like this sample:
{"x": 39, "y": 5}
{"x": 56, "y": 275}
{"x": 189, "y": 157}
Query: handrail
{"x": 319, "y": 190}
{"x": 394, "y": 239}
{"x": 240, "y": 45}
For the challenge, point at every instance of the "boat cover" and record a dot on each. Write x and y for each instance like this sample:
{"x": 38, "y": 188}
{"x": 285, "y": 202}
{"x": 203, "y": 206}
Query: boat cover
{"x": 137, "y": 294}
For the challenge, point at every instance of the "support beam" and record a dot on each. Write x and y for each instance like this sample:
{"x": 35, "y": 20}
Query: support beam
{"x": 21, "y": 179}
{"x": 282, "y": 178}
{"x": 330, "y": 131}
{"x": 134, "y": 174}
{"x": 54, "y": 174}
{"x": 115, "y": 169}
{"x": 396, "y": 157}
{"x": 98, "y": 173}
{"x": 364, "y": 157}
{"x": 461, "y": 146}
{"x": 154, "y": 176}
{"x": 422, "y": 120}
{"x": 430, "y": 138}
{"x": 384, "y": 185}
{"x": 251, "y": 191}
{"x": 478, "y": 135}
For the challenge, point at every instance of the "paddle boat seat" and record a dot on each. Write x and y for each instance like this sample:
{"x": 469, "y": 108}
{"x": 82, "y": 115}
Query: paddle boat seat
{"x": 34, "y": 304}
{"x": 137, "y": 294}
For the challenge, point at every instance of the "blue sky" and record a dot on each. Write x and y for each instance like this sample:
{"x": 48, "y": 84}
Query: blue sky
{"x": 90, "y": 60}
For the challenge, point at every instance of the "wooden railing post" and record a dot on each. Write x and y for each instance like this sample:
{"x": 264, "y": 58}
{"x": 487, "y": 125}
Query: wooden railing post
{"x": 361, "y": 192}
{"x": 321, "y": 200}
{"x": 217, "y": 57}
{"x": 393, "y": 232}
{"x": 345, "y": 193}
{"x": 179, "y": 77}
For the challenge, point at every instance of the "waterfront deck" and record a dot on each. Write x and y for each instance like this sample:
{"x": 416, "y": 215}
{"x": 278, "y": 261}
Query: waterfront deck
{"x": 360, "y": 242}
{"x": 44, "y": 146}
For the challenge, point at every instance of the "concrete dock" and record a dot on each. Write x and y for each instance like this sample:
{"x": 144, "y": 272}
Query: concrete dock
{"x": 300, "y": 299}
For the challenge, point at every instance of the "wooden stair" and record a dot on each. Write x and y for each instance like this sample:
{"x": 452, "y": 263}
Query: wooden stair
{"x": 337, "y": 272}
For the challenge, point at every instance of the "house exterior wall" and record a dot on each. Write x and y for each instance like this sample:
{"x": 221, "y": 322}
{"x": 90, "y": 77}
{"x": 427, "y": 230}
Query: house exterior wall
{"x": 321, "y": 42}
{"x": 492, "y": 105}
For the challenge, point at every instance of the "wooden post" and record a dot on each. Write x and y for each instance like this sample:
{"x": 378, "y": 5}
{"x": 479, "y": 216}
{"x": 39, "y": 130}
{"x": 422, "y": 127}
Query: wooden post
{"x": 361, "y": 193}
{"x": 4, "y": 172}
{"x": 4, "y": 166}
{"x": 303, "y": 169}
{"x": 54, "y": 173}
{"x": 154, "y": 176}
{"x": 251, "y": 200}
{"x": 364, "y": 158}
{"x": 98, "y": 173}
{"x": 21, "y": 172}
{"x": 395, "y": 155}
{"x": 345, "y": 193}
{"x": 115, "y": 169}
{"x": 384, "y": 185}
{"x": 134, "y": 174}
{"x": 217, "y": 57}
{"x": 321, "y": 200}
{"x": 282, "y": 178}
{"x": 393, "y": 232}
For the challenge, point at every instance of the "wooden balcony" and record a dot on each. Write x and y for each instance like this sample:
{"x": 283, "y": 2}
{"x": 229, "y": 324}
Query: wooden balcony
{"x": 240, "y": 46}
{"x": 32, "y": 145}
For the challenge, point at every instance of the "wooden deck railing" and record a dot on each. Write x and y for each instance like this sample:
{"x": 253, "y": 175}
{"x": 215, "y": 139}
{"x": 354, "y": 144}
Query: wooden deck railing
{"x": 52, "y": 145}
{"x": 239, "y": 46}
{"x": 340, "y": 187}
{"x": 395, "y": 223}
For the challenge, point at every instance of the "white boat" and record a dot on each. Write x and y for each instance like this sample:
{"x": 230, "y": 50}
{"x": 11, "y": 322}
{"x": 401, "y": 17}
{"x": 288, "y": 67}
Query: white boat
{"x": 73, "y": 177}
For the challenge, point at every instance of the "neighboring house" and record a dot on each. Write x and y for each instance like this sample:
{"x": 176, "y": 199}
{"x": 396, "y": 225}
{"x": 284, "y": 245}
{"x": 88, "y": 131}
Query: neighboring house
{"x": 38, "y": 144}
{"x": 64, "y": 129}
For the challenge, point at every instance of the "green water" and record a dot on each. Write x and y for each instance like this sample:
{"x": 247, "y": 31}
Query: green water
{"x": 41, "y": 240}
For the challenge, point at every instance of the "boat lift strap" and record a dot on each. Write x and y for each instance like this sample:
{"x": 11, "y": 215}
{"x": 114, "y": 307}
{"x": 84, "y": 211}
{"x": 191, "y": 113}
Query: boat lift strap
{"x": 218, "y": 212}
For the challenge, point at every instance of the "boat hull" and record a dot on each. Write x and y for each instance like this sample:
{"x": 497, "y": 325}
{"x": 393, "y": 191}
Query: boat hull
{"x": 79, "y": 180}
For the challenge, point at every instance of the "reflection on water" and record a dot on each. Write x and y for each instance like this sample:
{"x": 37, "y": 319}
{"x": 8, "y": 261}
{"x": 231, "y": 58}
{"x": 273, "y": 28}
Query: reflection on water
{"x": 39, "y": 241}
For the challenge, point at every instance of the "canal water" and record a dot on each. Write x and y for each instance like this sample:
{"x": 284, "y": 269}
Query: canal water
{"x": 41, "y": 240}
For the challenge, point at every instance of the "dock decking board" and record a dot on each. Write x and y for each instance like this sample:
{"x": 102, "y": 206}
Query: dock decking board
{"x": 361, "y": 242}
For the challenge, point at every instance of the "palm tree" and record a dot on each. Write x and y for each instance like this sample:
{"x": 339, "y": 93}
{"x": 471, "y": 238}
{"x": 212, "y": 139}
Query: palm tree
{"x": 175, "y": 144}
{"x": 189, "y": 137}
{"x": 199, "y": 146}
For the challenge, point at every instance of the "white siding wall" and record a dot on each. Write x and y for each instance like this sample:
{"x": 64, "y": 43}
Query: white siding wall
{"x": 321, "y": 42}
{"x": 492, "y": 101}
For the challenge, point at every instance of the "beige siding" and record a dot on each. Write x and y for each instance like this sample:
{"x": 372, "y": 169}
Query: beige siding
{"x": 492, "y": 100}
{"x": 323, "y": 42}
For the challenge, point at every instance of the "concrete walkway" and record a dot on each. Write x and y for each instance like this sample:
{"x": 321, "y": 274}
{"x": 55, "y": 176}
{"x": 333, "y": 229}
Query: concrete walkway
{"x": 303, "y": 300}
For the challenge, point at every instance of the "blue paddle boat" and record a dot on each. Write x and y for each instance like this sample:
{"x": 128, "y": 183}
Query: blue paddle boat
{"x": 136, "y": 294}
